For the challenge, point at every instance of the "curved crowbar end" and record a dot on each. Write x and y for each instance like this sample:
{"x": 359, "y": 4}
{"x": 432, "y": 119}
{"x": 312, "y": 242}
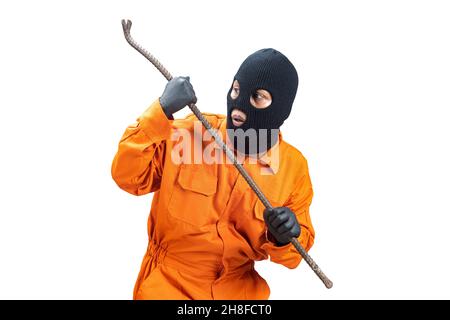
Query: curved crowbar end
{"x": 126, "y": 25}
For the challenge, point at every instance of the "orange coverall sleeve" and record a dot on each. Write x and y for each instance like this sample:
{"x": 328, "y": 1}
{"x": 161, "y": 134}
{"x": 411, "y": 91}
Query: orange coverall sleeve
{"x": 138, "y": 164}
{"x": 299, "y": 202}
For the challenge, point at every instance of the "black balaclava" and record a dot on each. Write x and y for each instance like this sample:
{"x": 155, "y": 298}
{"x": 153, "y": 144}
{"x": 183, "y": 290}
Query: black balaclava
{"x": 270, "y": 70}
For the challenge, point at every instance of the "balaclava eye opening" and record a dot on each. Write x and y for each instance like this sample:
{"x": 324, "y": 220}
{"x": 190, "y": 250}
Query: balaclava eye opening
{"x": 270, "y": 70}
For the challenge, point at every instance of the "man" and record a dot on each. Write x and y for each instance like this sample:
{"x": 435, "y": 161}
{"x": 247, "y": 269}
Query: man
{"x": 206, "y": 226}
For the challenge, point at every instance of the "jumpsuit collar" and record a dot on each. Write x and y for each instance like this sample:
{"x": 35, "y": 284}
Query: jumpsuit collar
{"x": 270, "y": 158}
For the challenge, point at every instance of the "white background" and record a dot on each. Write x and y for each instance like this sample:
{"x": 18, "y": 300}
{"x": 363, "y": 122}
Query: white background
{"x": 371, "y": 116}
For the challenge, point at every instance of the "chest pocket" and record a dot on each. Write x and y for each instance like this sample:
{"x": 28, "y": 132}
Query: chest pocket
{"x": 193, "y": 194}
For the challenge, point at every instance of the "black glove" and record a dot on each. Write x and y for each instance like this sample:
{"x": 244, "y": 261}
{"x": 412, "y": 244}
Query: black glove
{"x": 282, "y": 224}
{"x": 177, "y": 94}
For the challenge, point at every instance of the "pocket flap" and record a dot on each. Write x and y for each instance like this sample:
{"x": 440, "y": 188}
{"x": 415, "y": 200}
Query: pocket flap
{"x": 197, "y": 180}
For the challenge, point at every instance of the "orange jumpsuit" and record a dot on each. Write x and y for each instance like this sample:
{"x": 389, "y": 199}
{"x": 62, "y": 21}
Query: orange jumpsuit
{"x": 206, "y": 226}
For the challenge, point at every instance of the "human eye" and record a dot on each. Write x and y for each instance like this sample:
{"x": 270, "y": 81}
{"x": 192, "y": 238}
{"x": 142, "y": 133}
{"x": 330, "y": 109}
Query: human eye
{"x": 258, "y": 96}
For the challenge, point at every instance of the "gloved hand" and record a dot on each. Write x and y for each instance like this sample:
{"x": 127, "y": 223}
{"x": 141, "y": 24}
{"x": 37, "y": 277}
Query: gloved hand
{"x": 282, "y": 224}
{"x": 177, "y": 94}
